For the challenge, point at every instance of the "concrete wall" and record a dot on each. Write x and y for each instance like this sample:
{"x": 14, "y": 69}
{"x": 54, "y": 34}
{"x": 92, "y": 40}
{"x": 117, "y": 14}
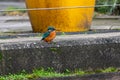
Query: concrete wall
{"x": 67, "y": 52}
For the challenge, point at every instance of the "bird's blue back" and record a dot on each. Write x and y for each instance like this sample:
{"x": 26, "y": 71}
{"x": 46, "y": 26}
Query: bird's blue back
{"x": 46, "y": 34}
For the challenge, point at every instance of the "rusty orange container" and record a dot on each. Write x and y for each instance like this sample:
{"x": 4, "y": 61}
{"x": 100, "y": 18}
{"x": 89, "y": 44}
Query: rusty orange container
{"x": 66, "y": 20}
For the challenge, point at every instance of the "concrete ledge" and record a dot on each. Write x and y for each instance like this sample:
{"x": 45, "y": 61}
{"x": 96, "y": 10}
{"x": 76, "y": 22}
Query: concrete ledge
{"x": 84, "y": 51}
{"x": 107, "y": 17}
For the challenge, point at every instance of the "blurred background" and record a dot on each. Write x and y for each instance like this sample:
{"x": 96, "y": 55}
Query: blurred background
{"x": 113, "y": 7}
{"x": 106, "y": 16}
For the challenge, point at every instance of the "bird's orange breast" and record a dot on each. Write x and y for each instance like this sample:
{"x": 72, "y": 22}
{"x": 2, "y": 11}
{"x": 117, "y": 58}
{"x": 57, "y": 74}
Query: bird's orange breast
{"x": 51, "y": 36}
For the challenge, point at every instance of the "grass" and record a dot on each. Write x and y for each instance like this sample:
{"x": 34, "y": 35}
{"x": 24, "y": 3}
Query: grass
{"x": 11, "y": 8}
{"x": 50, "y": 72}
{"x": 14, "y": 11}
{"x": 37, "y": 73}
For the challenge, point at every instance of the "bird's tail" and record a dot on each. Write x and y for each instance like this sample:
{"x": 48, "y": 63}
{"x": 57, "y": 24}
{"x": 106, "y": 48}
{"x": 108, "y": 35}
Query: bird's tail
{"x": 42, "y": 39}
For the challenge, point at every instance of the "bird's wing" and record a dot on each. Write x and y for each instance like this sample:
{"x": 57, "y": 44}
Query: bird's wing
{"x": 45, "y": 35}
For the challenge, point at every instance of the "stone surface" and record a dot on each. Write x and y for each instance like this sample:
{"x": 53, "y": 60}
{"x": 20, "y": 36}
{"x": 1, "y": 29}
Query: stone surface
{"x": 84, "y": 51}
{"x": 106, "y": 23}
{"x": 4, "y": 5}
{"x": 15, "y": 24}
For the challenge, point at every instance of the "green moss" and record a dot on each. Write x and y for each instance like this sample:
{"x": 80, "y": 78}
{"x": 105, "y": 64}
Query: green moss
{"x": 50, "y": 72}
{"x": 56, "y": 50}
{"x": 12, "y": 8}
{"x": 110, "y": 69}
{"x": 63, "y": 33}
{"x": 53, "y": 49}
{"x": 37, "y": 73}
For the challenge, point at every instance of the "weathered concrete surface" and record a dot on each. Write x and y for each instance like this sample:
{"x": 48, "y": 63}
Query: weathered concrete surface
{"x": 85, "y": 51}
{"x": 111, "y": 22}
{"x": 15, "y": 24}
{"x": 4, "y": 4}
{"x": 104, "y": 76}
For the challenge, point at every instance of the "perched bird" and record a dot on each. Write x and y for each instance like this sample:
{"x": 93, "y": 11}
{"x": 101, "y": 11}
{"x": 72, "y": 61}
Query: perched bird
{"x": 49, "y": 35}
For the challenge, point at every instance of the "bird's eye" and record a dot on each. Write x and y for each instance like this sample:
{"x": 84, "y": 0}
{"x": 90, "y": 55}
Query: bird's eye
{"x": 49, "y": 30}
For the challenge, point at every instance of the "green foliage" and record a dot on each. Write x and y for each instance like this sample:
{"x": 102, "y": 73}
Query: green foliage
{"x": 50, "y": 72}
{"x": 106, "y": 70}
{"x": 80, "y": 72}
{"x": 104, "y": 9}
{"x": 110, "y": 69}
{"x": 13, "y": 77}
{"x": 67, "y": 71}
{"x": 63, "y": 33}
{"x": 53, "y": 49}
{"x": 11, "y": 8}
{"x": 37, "y": 73}
{"x": 56, "y": 50}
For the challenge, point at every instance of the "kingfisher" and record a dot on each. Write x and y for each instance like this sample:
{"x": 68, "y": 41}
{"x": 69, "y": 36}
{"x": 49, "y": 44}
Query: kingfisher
{"x": 49, "y": 35}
